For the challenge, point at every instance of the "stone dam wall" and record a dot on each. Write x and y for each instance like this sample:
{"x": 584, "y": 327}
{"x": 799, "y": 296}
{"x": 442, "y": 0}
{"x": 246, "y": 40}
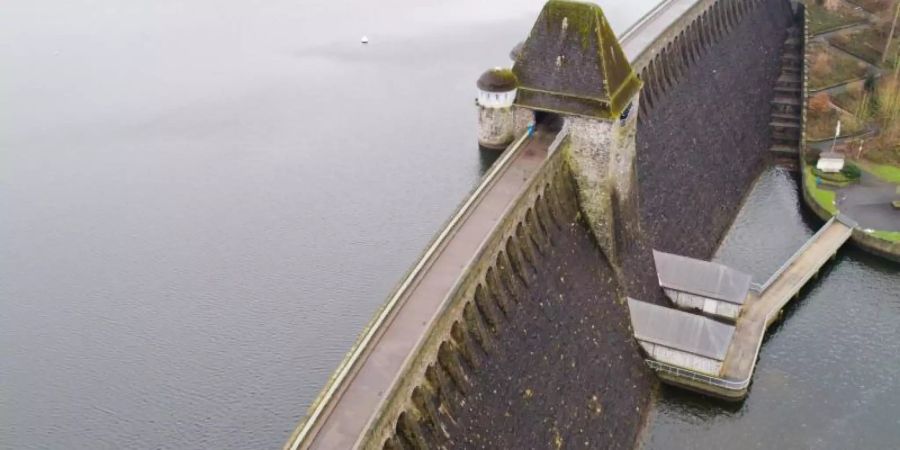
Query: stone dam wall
{"x": 541, "y": 354}
{"x": 535, "y": 349}
{"x": 704, "y": 140}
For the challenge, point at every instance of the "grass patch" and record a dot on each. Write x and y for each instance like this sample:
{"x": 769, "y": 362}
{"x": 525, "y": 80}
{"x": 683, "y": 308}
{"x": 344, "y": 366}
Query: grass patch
{"x": 824, "y": 198}
{"x": 886, "y": 172}
{"x": 845, "y": 177}
{"x": 892, "y": 236}
{"x": 868, "y": 44}
{"x": 828, "y": 67}
{"x": 824, "y": 18}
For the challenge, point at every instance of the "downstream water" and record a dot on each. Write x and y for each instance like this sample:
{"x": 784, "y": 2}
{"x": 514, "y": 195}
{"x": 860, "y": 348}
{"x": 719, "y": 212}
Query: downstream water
{"x": 204, "y": 202}
{"x": 827, "y": 376}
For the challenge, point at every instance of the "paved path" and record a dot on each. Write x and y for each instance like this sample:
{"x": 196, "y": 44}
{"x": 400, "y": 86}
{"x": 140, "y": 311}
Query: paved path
{"x": 761, "y": 310}
{"x": 869, "y": 203}
{"x": 378, "y": 361}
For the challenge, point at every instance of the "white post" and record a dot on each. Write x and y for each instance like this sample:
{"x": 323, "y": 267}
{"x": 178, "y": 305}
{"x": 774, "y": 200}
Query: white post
{"x": 887, "y": 45}
{"x": 837, "y": 132}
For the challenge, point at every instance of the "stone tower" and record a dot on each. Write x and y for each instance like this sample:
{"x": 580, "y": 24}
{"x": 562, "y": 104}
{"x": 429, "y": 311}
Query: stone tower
{"x": 496, "y": 119}
{"x": 572, "y": 66}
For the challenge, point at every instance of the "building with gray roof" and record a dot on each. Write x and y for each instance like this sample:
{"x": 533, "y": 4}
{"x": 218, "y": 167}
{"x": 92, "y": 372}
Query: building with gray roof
{"x": 710, "y": 287}
{"x": 680, "y": 338}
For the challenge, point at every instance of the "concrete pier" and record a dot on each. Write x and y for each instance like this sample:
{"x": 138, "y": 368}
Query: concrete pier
{"x": 761, "y": 308}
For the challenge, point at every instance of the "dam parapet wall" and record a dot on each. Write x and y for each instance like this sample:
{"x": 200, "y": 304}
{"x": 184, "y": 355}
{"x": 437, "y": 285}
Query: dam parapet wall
{"x": 464, "y": 332}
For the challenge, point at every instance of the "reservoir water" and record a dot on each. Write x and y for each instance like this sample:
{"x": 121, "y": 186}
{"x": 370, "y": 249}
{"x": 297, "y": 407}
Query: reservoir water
{"x": 204, "y": 202}
{"x": 827, "y": 374}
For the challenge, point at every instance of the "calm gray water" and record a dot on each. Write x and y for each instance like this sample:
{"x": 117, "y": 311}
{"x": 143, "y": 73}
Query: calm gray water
{"x": 204, "y": 202}
{"x": 827, "y": 377}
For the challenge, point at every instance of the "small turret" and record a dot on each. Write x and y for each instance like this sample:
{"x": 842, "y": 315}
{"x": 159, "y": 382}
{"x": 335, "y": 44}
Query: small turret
{"x": 496, "y": 93}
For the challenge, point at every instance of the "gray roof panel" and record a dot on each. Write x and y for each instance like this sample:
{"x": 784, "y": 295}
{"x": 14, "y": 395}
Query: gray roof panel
{"x": 703, "y": 278}
{"x": 680, "y": 330}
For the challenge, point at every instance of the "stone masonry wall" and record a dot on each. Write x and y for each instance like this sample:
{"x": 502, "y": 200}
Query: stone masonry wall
{"x": 495, "y": 126}
{"x": 542, "y": 356}
{"x": 603, "y": 156}
{"x": 524, "y": 116}
{"x": 704, "y": 139}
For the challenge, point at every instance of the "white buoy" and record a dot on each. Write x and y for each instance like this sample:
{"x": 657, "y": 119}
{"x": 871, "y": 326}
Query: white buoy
{"x": 364, "y": 40}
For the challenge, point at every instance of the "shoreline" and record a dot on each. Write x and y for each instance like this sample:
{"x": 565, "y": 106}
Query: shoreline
{"x": 878, "y": 247}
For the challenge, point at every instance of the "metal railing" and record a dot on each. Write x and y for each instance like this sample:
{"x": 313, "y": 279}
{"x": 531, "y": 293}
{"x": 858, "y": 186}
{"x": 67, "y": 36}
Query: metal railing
{"x": 644, "y": 19}
{"x": 796, "y": 255}
{"x": 684, "y": 373}
{"x": 731, "y": 385}
{"x": 557, "y": 141}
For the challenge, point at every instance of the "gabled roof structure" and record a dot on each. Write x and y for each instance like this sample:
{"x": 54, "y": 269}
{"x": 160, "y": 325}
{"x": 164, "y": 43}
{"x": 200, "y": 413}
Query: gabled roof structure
{"x": 572, "y": 63}
{"x": 680, "y": 330}
{"x": 702, "y": 278}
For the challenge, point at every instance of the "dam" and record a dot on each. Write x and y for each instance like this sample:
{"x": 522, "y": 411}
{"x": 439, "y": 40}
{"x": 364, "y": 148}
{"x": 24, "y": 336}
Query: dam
{"x": 513, "y": 328}
{"x": 206, "y": 205}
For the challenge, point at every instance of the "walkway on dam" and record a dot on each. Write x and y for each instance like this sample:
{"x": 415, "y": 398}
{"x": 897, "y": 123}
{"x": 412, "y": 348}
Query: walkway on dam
{"x": 760, "y": 310}
{"x": 341, "y": 416}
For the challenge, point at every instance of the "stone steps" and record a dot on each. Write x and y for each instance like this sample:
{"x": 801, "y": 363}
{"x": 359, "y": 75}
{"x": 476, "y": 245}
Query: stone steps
{"x": 787, "y": 90}
{"x": 777, "y": 124}
{"x": 787, "y": 161}
{"x": 787, "y": 141}
{"x": 785, "y": 117}
{"x": 789, "y": 82}
{"x": 786, "y": 150}
{"x": 786, "y": 100}
{"x": 787, "y": 105}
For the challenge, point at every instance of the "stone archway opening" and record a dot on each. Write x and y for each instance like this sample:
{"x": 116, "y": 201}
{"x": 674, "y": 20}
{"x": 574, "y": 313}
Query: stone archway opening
{"x": 548, "y": 121}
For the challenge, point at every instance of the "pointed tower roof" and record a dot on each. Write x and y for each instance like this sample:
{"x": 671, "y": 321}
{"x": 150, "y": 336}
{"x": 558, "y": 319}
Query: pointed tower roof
{"x": 572, "y": 63}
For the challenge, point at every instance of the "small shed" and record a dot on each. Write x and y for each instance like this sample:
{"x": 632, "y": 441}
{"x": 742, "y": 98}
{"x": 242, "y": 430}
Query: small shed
{"x": 706, "y": 286}
{"x": 680, "y": 338}
{"x": 830, "y": 162}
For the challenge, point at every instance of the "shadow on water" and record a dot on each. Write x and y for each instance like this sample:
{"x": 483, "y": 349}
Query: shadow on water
{"x": 487, "y": 157}
{"x": 694, "y": 405}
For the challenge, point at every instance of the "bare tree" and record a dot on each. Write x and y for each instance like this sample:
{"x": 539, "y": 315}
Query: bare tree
{"x": 890, "y": 36}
